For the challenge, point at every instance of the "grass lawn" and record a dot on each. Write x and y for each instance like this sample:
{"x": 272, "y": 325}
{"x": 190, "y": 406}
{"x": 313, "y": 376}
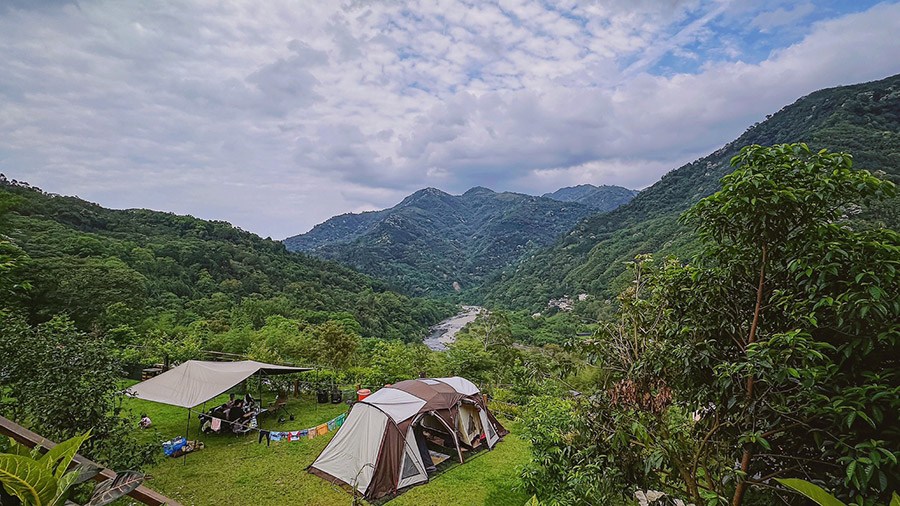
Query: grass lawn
{"x": 237, "y": 470}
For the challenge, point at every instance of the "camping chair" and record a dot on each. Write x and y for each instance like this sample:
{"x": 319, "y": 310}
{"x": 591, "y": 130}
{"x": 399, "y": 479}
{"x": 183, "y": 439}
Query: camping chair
{"x": 280, "y": 403}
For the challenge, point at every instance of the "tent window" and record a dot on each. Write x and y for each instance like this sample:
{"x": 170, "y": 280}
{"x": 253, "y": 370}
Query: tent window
{"x": 409, "y": 468}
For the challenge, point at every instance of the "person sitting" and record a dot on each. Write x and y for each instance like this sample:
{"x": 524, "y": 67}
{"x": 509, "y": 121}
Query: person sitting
{"x": 230, "y": 403}
{"x": 236, "y": 411}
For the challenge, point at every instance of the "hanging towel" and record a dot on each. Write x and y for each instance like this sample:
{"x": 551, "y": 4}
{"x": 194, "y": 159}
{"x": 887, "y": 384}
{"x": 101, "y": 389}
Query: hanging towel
{"x": 331, "y": 425}
{"x": 304, "y": 433}
{"x": 312, "y": 432}
{"x": 322, "y": 429}
{"x": 276, "y": 436}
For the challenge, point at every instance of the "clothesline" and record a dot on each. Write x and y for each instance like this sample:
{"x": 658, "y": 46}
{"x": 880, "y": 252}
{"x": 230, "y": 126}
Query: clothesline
{"x": 310, "y": 433}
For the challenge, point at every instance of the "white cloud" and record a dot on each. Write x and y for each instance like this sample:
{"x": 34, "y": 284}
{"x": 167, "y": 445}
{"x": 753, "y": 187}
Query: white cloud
{"x": 278, "y": 115}
{"x": 766, "y": 21}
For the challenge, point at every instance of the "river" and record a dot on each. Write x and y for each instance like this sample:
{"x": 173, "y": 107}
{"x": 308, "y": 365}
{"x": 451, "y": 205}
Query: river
{"x": 444, "y": 333}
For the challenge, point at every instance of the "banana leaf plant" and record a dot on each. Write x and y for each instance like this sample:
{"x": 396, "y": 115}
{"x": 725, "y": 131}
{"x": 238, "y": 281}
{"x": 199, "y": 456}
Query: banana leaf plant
{"x": 818, "y": 495}
{"x": 33, "y": 479}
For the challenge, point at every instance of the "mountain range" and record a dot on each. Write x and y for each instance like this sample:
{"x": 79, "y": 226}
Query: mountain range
{"x": 862, "y": 119}
{"x": 433, "y": 242}
{"x": 159, "y": 270}
{"x": 518, "y": 251}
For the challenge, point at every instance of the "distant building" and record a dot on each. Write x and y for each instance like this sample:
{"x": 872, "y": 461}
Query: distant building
{"x": 564, "y": 303}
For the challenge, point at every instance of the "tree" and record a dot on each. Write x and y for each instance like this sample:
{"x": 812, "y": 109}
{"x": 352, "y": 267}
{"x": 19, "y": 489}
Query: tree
{"x": 334, "y": 345}
{"x": 776, "y": 348}
{"x": 65, "y": 382}
{"x": 780, "y": 216}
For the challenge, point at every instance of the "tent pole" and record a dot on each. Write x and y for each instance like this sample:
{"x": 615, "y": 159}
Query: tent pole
{"x": 187, "y": 433}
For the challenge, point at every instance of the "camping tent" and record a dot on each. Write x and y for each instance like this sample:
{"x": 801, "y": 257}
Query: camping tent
{"x": 380, "y": 449}
{"x": 196, "y": 381}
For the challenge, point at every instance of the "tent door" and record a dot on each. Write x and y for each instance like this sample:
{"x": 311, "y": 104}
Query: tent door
{"x": 412, "y": 470}
{"x": 490, "y": 433}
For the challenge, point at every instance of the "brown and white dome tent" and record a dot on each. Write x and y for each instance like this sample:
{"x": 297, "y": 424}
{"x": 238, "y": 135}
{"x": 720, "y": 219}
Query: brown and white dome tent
{"x": 378, "y": 449}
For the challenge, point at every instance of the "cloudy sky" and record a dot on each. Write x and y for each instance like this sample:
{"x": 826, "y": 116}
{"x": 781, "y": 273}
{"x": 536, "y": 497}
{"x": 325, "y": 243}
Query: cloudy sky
{"x": 277, "y": 115}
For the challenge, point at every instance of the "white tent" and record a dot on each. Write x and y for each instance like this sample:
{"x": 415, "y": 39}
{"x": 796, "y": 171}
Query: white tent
{"x": 196, "y": 381}
{"x": 377, "y": 450}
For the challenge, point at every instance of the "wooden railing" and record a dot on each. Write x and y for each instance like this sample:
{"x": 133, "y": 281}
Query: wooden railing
{"x": 30, "y": 439}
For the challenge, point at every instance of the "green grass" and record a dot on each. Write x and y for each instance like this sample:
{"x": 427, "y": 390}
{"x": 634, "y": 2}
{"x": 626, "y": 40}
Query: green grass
{"x": 237, "y": 470}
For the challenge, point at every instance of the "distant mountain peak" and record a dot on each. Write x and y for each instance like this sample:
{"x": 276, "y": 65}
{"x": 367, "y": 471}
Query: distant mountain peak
{"x": 602, "y": 198}
{"x": 479, "y": 189}
{"x": 434, "y": 242}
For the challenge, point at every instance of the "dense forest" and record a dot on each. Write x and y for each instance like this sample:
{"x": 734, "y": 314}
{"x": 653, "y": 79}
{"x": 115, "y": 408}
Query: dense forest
{"x": 435, "y": 243}
{"x": 862, "y": 119}
{"x": 153, "y": 270}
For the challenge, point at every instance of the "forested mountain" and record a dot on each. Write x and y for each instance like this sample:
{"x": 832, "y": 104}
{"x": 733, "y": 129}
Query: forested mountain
{"x": 862, "y": 119}
{"x": 601, "y": 198}
{"x": 158, "y": 271}
{"x": 433, "y": 242}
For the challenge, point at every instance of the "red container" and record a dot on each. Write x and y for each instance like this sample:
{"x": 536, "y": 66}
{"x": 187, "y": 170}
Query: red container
{"x": 363, "y": 393}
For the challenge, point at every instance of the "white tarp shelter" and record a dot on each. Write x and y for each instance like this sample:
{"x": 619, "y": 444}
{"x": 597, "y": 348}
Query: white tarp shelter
{"x": 197, "y": 381}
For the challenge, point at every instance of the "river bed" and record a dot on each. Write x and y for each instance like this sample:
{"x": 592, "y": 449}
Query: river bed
{"x": 444, "y": 333}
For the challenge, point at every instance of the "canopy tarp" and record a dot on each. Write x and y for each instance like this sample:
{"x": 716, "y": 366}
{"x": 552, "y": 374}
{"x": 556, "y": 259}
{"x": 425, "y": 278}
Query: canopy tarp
{"x": 196, "y": 381}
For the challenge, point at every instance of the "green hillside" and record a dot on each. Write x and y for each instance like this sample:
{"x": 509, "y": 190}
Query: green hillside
{"x": 156, "y": 270}
{"x": 862, "y": 119}
{"x": 433, "y": 239}
{"x": 601, "y": 198}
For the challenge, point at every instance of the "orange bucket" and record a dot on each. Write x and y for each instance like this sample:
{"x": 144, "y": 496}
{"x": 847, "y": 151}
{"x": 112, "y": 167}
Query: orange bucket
{"x": 363, "y": 393}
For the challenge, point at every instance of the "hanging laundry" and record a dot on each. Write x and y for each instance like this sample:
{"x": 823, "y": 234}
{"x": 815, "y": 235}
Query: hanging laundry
{"x": 276, "y": 436}
{"x": 264, "y": 434}
{"x": 304, "y": 433}
{"x": 322, "y": 429}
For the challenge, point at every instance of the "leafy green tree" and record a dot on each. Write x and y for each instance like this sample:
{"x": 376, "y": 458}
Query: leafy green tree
{"x": 335, "y": 346}
{"x": 777, "y": 348}
{"x": 814, "y": 334}
{"x": 65, "y": 382}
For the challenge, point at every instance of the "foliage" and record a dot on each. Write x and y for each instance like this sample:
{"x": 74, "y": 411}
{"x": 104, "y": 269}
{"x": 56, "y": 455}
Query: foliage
{"x": 566, "y": 468}
{"x": 65, "y": 382}
{"x": 40, "y": 480}
{"x": 776, "y": 349}
{"x": 820, "y": 496}
{"x": 171, "y": 272}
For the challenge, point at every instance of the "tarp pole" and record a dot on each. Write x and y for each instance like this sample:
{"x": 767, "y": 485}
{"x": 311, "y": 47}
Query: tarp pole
{"x": 187, "y": 433}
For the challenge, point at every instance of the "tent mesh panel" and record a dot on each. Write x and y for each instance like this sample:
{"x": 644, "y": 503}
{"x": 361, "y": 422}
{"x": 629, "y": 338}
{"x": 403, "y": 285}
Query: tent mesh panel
{"x": 409, "y": 469}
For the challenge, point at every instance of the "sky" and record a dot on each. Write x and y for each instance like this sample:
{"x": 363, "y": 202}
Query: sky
{"x": 277, "y": 115}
